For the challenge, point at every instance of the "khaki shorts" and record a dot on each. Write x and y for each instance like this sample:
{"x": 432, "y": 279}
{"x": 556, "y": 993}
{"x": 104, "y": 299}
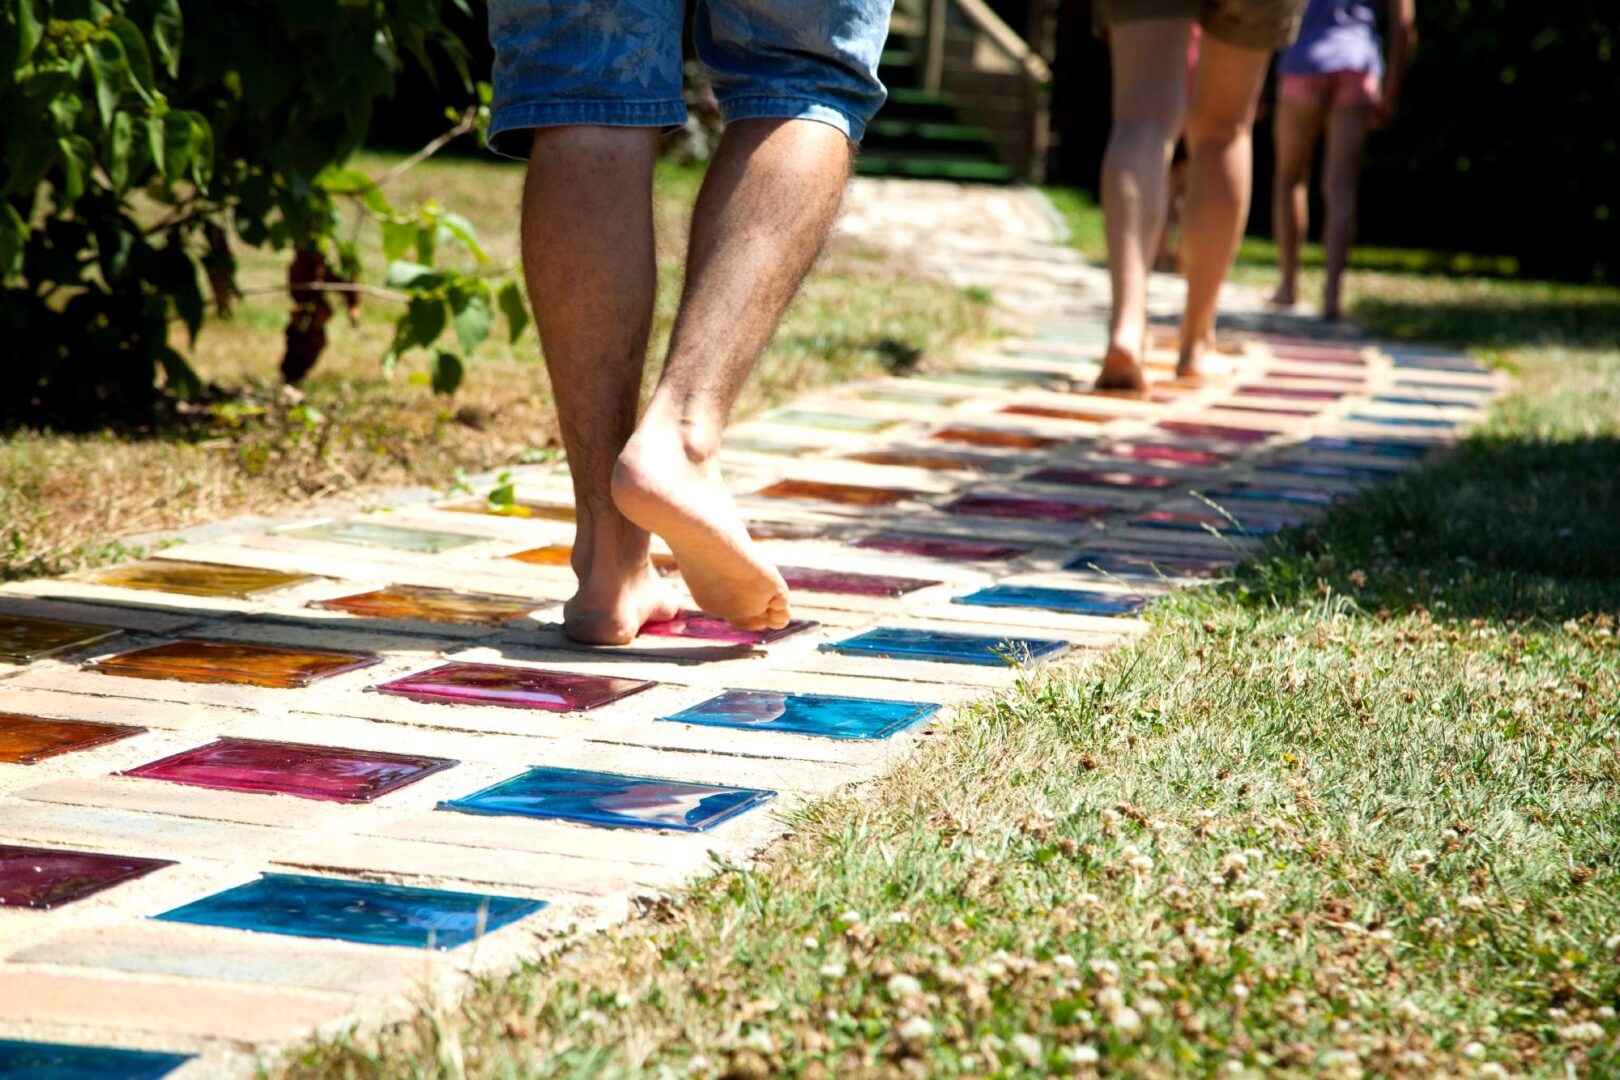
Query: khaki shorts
{"x": 1248, "y": 24}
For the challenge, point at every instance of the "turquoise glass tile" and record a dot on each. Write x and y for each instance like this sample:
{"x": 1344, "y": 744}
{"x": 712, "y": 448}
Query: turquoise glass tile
{"x": 1071, "y": 601}
{"x": 608, "y": 799}
{"x": 831, "y": 421}
{"x": 64, "y": 1061}
{"x": 1331, "y": 471}
{"x": 822, "y": 715}
{"x": 1375, "y": 447}
{"x": 1269, "y": 493}
{"x": 300, "y": 905}
{"x": 375, "y": 534}
{"x": 949, "y": 647}
{"x": 1399, "y": 421}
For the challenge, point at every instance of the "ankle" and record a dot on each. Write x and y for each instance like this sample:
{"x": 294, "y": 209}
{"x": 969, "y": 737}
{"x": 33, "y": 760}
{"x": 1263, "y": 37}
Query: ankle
{"x": 698, "y": 436}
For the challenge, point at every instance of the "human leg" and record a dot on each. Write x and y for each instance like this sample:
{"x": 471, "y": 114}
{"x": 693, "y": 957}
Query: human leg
{"x": 1296, "y": 128}
{"x": 1341, "y": 167}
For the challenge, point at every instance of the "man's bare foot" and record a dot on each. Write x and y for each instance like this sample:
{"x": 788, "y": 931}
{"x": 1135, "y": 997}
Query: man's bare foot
{"x": 659, "y": 486}
{"x": 619, "y": 593}
{"x": 1200, "y": 360}
{"x": 1122, "y": 370}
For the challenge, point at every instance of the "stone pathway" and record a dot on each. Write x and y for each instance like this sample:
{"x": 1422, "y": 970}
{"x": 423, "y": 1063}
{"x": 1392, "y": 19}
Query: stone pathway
{"x": 994, "y": 509}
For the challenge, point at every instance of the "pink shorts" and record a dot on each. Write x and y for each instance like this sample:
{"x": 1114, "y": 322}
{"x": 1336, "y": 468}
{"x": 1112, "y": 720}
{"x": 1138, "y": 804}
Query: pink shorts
{"x": 1335, "y": 88}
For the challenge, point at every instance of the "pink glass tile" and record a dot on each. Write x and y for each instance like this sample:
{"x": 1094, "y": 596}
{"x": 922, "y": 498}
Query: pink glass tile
{"x": 949, "y": 548}
{"x": 848, "y": 583}
{"x": 34, "y": 877}
{"x": 1265, "y": 410}
{"x": 1349, "y": 382}
{"x": 1320, "y": 354}
{"x": 1119, "y": 478}
{"x": 695, "y": 624}
{"x": 1180, "y": 455}
{"x": 326, "y": 773}
{"x": 1025, "y": 508}
{"x": 1288, "y": 393}
{"x": 1216, "y": 431}
{"x": 459, "y": 683}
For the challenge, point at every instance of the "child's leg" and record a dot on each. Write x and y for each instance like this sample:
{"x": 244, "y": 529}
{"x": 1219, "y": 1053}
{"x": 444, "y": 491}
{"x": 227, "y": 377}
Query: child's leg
{"x": 1341, "y": 167}
{"x": 1295, "y": 131}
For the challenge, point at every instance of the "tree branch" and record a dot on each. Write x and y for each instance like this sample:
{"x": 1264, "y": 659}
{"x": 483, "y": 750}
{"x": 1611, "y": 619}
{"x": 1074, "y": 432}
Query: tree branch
{"x": 462, "y": 127}
{"x": 330, "y": 286}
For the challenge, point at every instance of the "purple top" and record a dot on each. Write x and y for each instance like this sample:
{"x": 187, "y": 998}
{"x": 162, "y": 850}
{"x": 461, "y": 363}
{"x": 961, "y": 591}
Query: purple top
{"x": 1335, "y": 35}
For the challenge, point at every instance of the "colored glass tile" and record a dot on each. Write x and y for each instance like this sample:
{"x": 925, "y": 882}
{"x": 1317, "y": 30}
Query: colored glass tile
{"x": 1456, "y": 388}
{"x": 28, "y": 740}
{"x": 34, "y": 877}
{"x": 1145, "y": 566}
{"x": 1267, "y": 410}
{"x": 1179, "y": 455}
{"x": 1375, "y": 447}
{"x": 954, "y": 549}
{"x": 518, "y": 508}
{"x": 1429, "y": 402}
{"x": 1270, "y": 493}
{"x": 1160, "y": 394}
{"x": 779, "y": 530}
{"x": 461, "y": 683}
{"x": 1349, "y": 382}
{"x": 831, "y": 421}
{"x": 695, "y": 624}
{"x": 324, "y": 773}
{"x": 901, "y": 396}
{"x": 821, "y": 715}
{"x": 375, "y": 534}
{"x": 1049, "y": 413}
{"x": 995, "y": 378}
{"x": 933, "y": 460}
{"x": 563, "y": 555}
{"x": 1289, "y": 393}
{"x": 849, "y": 583}
{"x": 1320, "y": 354}
{"x": 766, "y": 446}
{"x": 843, "y": 494}
{"x": 1407, "y": 359}
{"x": 1026, "y": 508}
{"x": 369, "y": 912}
{"x": 1197, "y": 521}
{"x": 191, "y": 660}
{"x": 1012, "y": 440}
{"x": 24, "y": 640}
{"x": 1400, "y": 421}
{"x": 1071, "y": 601}
{"x": 65, "y": 1061}
{"x": 1328, "y": 470}
{"x": 1216, "y": 431}
{"x": 949, "y": 647}
{"x": 608, "y": 799}
{"x": 424, "y": 603}
{"x": 197, "y": 579}
{"x": 1118, "y": 478}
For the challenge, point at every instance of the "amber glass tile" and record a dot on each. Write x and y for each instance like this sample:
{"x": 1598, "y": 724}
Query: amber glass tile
{"x": 1047, "y": 412}
{"x": 423, "y": 603}
{"x": 563, "y": 554}
{"x": 23, "y": 640}
{"x": 191, "y": 660}
{"x": 518, "y": 508}
{"x": 198, "y": 579}
{"x": 26, "y": 740}
{"x": 844, "y": 494}
{"x": 1017, "y": 440}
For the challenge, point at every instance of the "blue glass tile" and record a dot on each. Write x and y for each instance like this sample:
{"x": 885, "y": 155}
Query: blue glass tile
{"x": 1265, "y": 493}
{"x": 365, "y": 911}
{"x": 63, "y": 1061}
{"x": 807, "y": 714}
{"x": 1399, "y": 421}
{"x": 1376, "y": 447}
{"x": 597, "y": 798}
{"x": 1332, "y": 471}
{"x": 949, "y": 647}
{"x": 1428, "y": 361}
{"x": 1072, "y": 601}
{"x": 1399, "y": 399}
{"x": 1455, "y": 388}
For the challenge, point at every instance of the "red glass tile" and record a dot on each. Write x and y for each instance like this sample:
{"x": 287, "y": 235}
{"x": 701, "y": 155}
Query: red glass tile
{"x": 27, "y": 740}
{"x": 33, "y": 877}
{"x": 1015, "y": 440}
{"x": 1063, "y": 474}
{"x": 844, "y": 494}
{"x": 1196, "y": 429}
{"x": 1026, "y": 508}
{"x": 460, "y": 683}
{"x": 695, "y": 624}
{"x": 325, "y": 773}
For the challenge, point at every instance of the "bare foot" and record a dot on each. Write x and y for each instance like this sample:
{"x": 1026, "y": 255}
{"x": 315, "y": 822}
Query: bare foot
{"x": 619, "y": 593}
{"x": 1201, "y": 360}
{"x": 1282, "y": 298}
{"x": 657, "y": 485}
{"x": 1121, "y": 370}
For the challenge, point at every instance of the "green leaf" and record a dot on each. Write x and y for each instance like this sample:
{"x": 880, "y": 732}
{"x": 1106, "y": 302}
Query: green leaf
{"x": 471, "y": 314}
{"x": 78, "y": 158}
{"x": 138, "y": 59}
{"x": 463, "y": 230}
{"x": 29, "y": 29}
{"x": 165, "y": 30}
{"x": 109, "y": 73}
{"x": 426, "y": 244}
{"x": 396, "y": 243}
{"x": 345, "y": 182}
{"x": 180, "y": 143}
{"x": 118, "y": 149}
{"x": 13, "y": 238}
{"x": 376, "y": 202}
{"x": 423, "y": 322}
{"x": 510, "y": 299}
{"x": 409, "y": 275}
{"x": 447, "y": 373}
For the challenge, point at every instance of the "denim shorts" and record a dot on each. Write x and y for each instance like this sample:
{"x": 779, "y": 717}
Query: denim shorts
{"x": 617, "y": 63}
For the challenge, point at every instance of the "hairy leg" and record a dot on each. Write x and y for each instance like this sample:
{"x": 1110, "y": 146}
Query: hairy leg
{"x": 588, "y": 258}
{"x": 1149, "y": 81}
{"x": 1220, "y": 123}
{"x": 769, "y": 198}
{"x": 1296, "y": 129}
{"x": 1341, "y": 166}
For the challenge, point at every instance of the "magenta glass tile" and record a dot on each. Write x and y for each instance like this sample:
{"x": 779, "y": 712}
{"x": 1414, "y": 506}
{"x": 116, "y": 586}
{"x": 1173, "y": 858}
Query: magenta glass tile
{"x": 1118, "y": 478}
{"x": 326, "y": 773}
{"x": 950, "y": 548}
{"x": 849, "y": 583}
{"x": 1349, "y": 382}
{"x": 1179, "y": 455}
{"x": 1216, "y": 431}
{"x": 1026, "y": 508}
{"x": 695, "y": 624}
{"x": 1320, "y": 354}
{"x": 34, "y": 877}
{"x": 459, "y": 683}
{"x": 1288, "y": 393}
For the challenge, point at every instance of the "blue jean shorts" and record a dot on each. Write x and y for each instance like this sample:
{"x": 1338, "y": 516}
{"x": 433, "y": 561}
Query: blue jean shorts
{"x": 617, "y": 63}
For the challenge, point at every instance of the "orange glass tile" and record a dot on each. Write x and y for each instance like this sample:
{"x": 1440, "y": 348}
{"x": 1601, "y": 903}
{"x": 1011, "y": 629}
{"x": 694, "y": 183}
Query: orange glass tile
{"x": 27, "y": 740}
{"x": 24, "y": 640}
{"x": 191, "y": 660}
{"x": 1049, "y": 413}
{"x": 423, "y": 603}
{"x": 845, "y": 494}
{"x": 563, "y": 554}
{"x": 1017, "y": 440}
{"x": 520, "y": 508}
{"x": 198, "y": 579}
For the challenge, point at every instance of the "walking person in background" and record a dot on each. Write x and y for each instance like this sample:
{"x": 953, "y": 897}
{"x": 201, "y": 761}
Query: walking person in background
{"x": 1147, "y": 43}
{"x": 1335, "y": 77}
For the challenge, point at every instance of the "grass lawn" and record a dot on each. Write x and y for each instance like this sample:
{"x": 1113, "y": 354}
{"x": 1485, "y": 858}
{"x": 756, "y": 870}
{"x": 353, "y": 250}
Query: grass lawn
{"x": 1354, "y": 812}
{"x": 260, "y": 450}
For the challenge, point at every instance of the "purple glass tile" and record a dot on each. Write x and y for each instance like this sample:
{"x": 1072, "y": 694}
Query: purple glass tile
{"x": 459, "y": 683}
{"x": 1179, "y": 455}
{"x": 695, "y": 624}
{"x": 1027, "y": 509}
{"x": 34, "y": 877}
{"x": 326, "y": 773}
{"x": 951, "y": 548}
{"x": 848, "y": 583}
{"x": 1065, "y": 474}
{"x": 1266, "y": 410}
{"x": 1216, "y": 431}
